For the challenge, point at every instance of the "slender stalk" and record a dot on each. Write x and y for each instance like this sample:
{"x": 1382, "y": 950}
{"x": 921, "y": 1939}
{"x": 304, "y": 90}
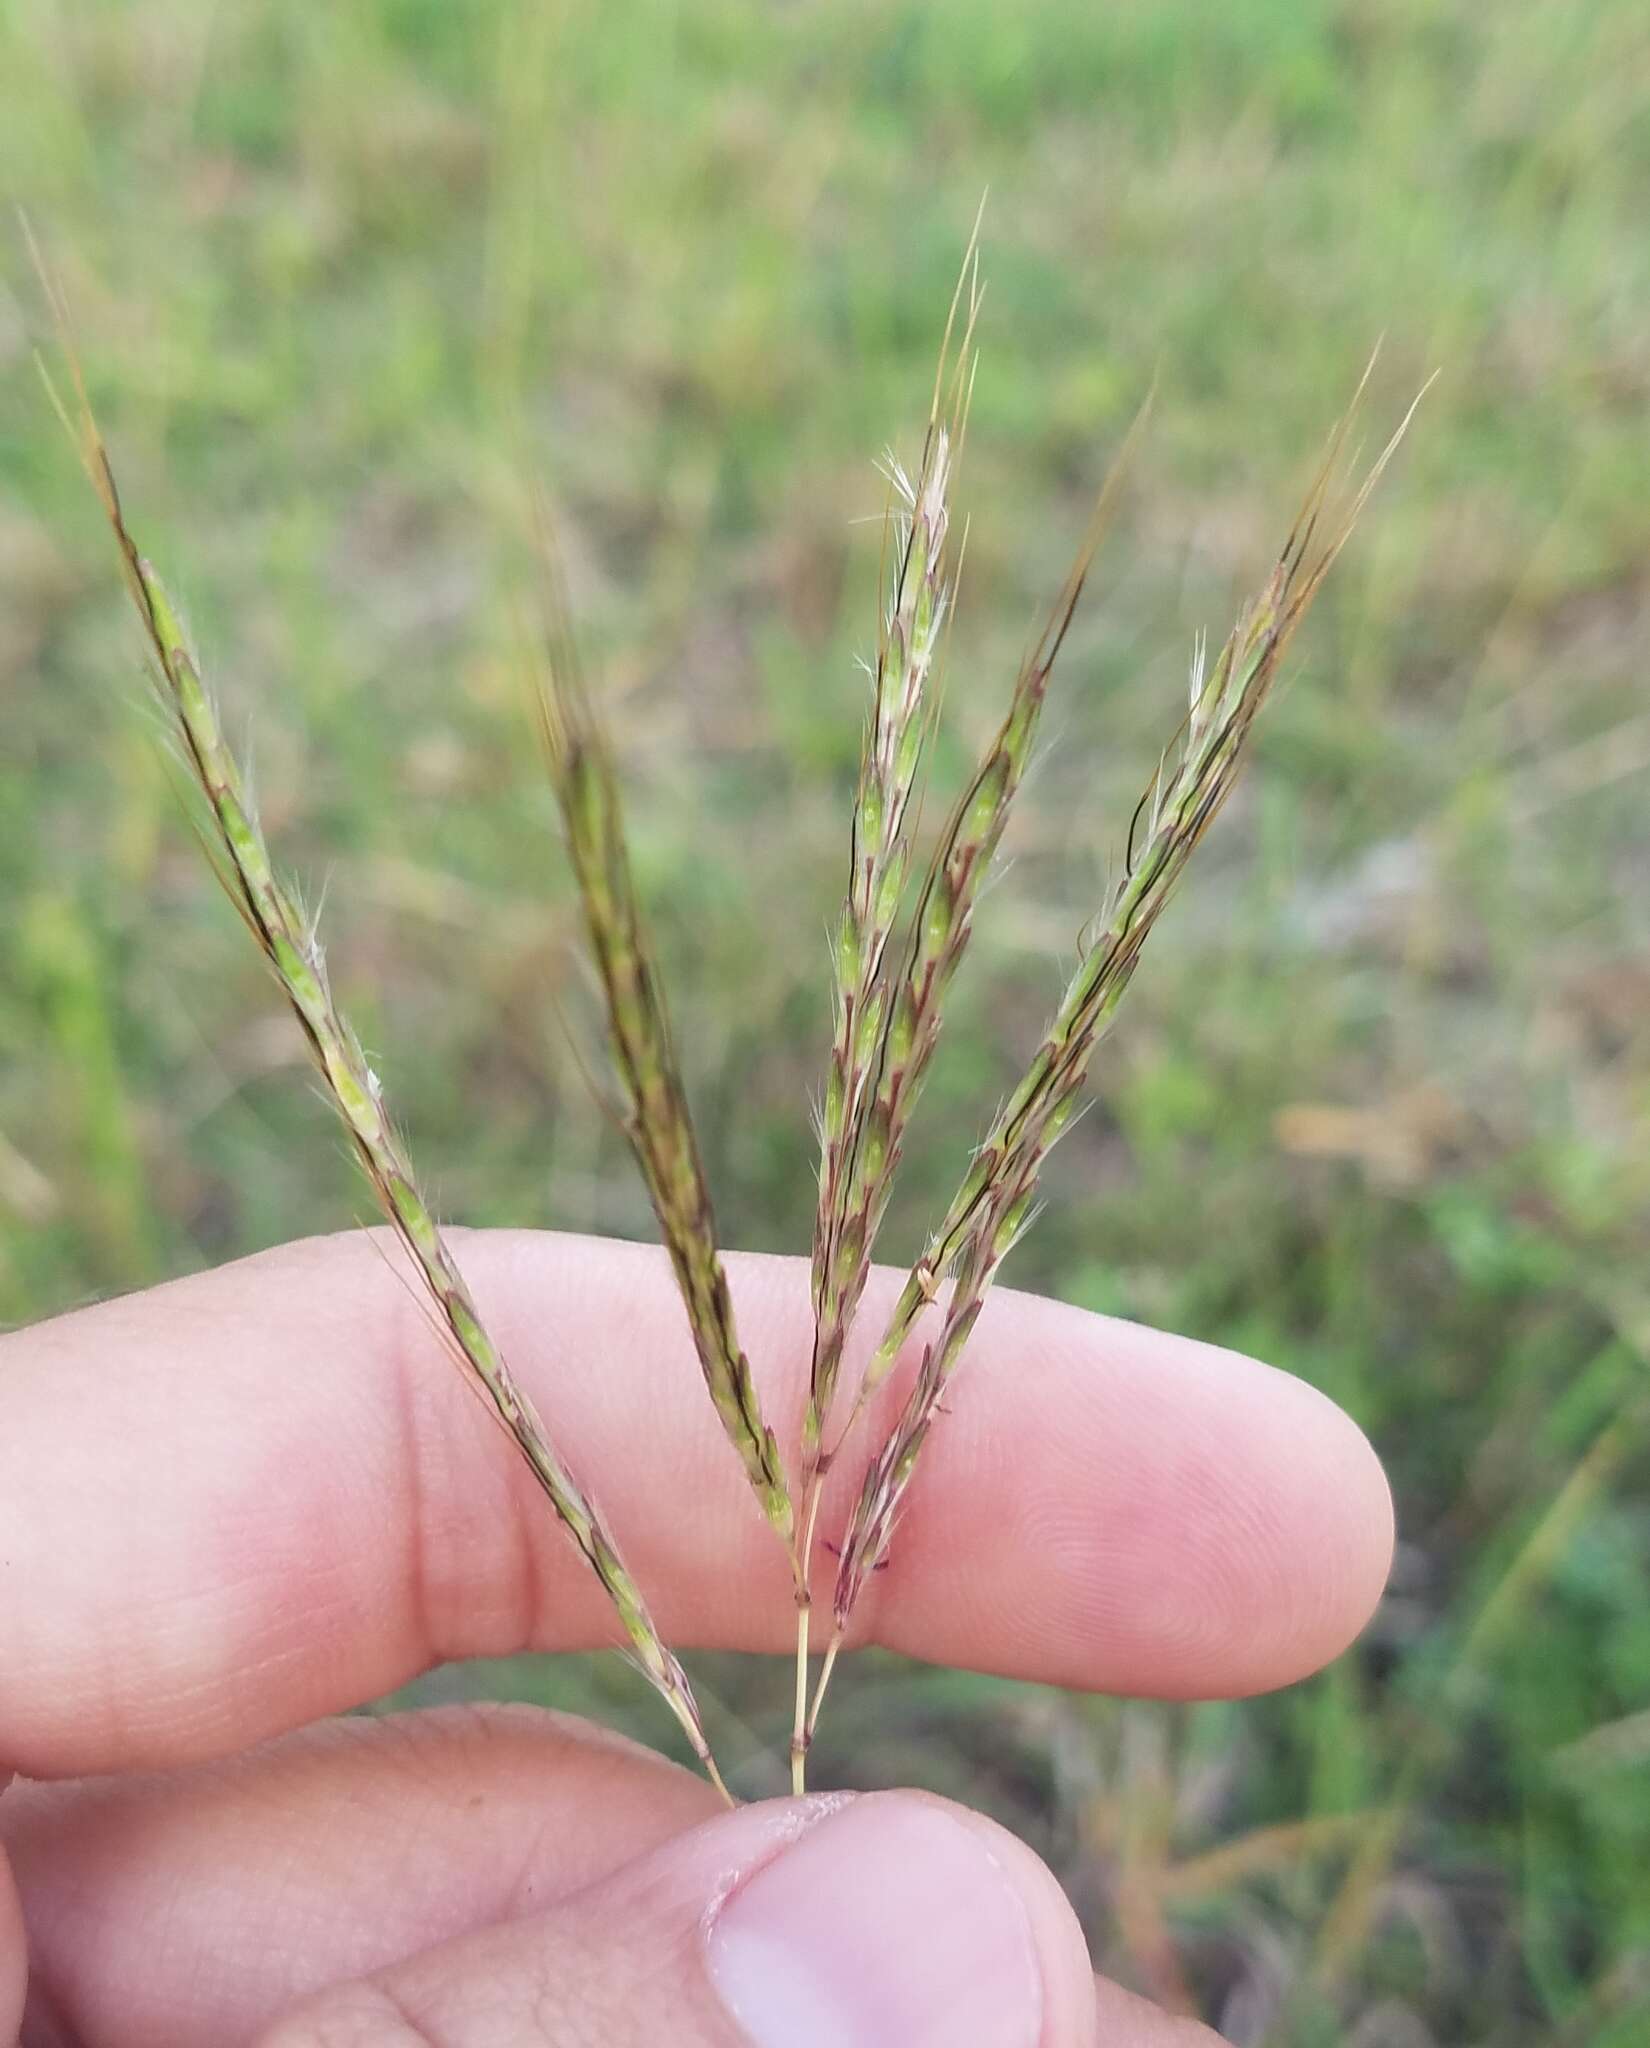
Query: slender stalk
{"x": 827, "y": 1668}
{"x": 654, "y": 1114}
{"x": 294, "y": 954}
{"x": 799, "y": 1711}
{"x": 802, "y": 1725}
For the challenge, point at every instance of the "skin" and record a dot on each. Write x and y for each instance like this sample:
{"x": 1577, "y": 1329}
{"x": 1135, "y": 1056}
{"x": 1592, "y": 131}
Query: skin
{"x": 238, "y": 1505}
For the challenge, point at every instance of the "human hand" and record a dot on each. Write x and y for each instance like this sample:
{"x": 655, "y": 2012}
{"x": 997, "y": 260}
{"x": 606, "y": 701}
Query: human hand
{"x": 246, "y": 1501}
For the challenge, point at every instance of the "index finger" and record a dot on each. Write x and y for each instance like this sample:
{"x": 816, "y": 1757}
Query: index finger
{"x": 263, "y": 1494}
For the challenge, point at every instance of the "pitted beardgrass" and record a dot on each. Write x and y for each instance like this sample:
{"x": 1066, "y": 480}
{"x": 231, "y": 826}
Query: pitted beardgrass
{"x": 888, "y": 999}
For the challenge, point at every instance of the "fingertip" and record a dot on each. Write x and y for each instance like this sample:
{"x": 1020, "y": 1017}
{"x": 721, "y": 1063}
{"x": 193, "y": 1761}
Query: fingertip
{"x": 901, "y": 1917}
{"x": 1217, "y": 1526}
{"x": 1336, "y": 1528}
{"x": 1126, "y": 2020}
{"x": 1069, "y": 2019}
{"x": 1302, "y": 1482}
{"x": 1315, "y": 1511}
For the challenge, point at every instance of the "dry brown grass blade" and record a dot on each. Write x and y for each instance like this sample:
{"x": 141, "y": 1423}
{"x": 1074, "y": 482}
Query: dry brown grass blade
{"x": 1280, "y": 1849}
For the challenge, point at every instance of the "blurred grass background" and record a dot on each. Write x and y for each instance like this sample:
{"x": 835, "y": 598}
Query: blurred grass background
{"x": 1379, "y": 1107}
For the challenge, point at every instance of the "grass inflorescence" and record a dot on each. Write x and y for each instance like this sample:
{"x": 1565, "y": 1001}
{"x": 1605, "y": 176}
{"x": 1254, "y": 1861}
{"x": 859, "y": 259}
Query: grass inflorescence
{"x": 994, "y": 1203}
{"x": 654, "y": 1114}
{"x": 235, "y": 844}
{"x": 900, "y": 940}
{"x": 854, "y": 1137}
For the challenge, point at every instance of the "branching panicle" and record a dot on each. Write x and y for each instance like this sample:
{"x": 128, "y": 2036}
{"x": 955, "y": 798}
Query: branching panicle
{"x": 888, "y": 999}
{"x": 992, "y": 1204}
{"x": 941, "y": 926}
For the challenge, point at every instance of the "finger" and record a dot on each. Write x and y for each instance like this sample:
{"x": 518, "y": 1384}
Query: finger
{"x": 331, "y": 1853}
{"x": 1125, "y": 2020}
{"x": 888, "y": 1919}
{"x": 456, "y": 1820}
{"x": 249, "y": 1499}
{"x": 14, "y": 1965}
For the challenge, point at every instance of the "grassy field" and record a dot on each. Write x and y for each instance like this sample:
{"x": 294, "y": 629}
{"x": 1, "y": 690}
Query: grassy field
{"x": 1380, "y": 1105}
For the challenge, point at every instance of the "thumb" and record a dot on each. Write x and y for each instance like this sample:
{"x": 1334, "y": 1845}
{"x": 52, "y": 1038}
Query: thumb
{"x": 890, "y": 1918}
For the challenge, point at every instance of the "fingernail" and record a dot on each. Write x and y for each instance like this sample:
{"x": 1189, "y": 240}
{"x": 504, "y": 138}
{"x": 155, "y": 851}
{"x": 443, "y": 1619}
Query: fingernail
{"x": 889, "y": 1923}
